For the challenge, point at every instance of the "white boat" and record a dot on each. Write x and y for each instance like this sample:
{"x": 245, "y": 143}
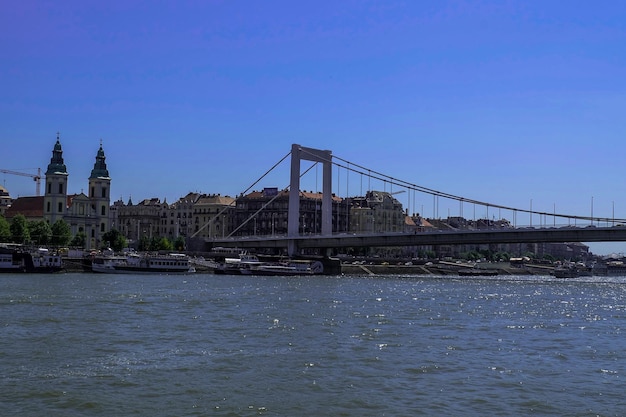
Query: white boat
{"x": 11, "y": 261}
{"x": 289, "y": 268}
{"x": 134, "y": 263}
{"x": 243, "y": 264}
{"x": 573, "y": 270}
{"x": 15, "y": 258}
{"x": 43, "y": 260}
{"x": 247, "y": 264}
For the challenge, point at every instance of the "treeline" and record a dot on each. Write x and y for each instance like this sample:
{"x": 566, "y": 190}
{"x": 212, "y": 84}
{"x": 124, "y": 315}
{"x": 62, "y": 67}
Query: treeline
{"x": 59, "y": 234}
{"x": 37, "y": 232}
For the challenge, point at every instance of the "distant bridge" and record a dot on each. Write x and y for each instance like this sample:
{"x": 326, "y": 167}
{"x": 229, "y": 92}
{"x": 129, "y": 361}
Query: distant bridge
{"x": 463, "y": 237}
{"x": 326, "y": 239}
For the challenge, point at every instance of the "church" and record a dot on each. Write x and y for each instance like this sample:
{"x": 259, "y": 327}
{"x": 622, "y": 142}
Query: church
{"x": 88, "y": 214}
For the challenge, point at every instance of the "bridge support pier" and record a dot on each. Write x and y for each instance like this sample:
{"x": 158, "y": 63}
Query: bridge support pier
{"x": 293, "y": 220}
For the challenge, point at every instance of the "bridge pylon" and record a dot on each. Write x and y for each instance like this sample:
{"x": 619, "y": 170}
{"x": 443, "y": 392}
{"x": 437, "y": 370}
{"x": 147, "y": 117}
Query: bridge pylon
{"x": 324, "y": 157}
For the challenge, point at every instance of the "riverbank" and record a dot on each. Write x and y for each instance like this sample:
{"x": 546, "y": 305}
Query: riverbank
{"x": 501, "y": 268}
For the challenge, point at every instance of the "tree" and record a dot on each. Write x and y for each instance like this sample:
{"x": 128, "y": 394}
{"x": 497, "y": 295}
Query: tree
{"x": 19, "y": 229}
{"x": 179, "y": 243}
{"x": 159, "y": 243}
{"x": 116, "y": 240}
{"x": 61, "y": 233}
{"x": 79, "y": 240}
{"x": 165, "y": 244}
{"x": 5, "y": 230}
{"x": 40, "y": 232}
{"x": 144, "y": 243}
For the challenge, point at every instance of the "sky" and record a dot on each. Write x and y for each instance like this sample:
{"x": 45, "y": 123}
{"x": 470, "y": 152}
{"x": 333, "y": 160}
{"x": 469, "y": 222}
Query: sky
{"x": 514, "y": 103}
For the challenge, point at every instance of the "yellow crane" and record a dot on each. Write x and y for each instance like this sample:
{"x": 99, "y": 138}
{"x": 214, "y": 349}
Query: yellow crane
{"x": 36, "y": 177}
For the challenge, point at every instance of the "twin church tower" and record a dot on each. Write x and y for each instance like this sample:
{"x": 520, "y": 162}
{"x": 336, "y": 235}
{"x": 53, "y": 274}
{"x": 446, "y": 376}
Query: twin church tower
{"x": 87, "y": 214}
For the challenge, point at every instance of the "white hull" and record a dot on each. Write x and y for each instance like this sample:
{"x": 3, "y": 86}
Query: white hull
{"x": 138, "y": 264}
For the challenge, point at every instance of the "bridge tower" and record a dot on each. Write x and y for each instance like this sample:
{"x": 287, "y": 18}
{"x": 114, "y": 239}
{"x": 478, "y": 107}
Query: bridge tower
{"x": 299, "y": 153}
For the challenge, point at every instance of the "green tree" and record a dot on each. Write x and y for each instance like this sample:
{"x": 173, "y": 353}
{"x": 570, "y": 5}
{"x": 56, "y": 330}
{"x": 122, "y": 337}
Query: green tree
{"x": 116, "y": 240}
{"x": 144, "y": 243}
{"x": 19, "y": 229}
{"x": 79, "y": 240}
{"x": 61, "y": 233}
{"x": 165, "y": 244}
{"x": 5, "y": 230}
{"x": 159, "y": 243}
{"x": 40, "y": 232}
{"x": 179, "y": 243}
{"x": 502, "y": 256}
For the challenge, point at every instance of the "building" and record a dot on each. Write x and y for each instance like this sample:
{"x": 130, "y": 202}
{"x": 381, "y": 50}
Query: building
{"x": 148, "y": 218}
{"x": 377, "y": 212}
{"x": 212, "y": 216}
{"x": 266, "y": 213}
{"x": 5, "y": 200}
{"x": 29, "y": 207}
{"x": 87, "y": 214}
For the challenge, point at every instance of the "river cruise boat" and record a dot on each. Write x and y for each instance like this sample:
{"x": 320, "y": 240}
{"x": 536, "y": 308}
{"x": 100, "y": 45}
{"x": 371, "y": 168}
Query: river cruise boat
{"x": 134, "y": 263}
{"x": 239, "y": 264}
{"x": 573, "y": 270}
{"x": 248, "y": 264}
{"x": 16, "y": 258}
{"x": 288, "y": 268}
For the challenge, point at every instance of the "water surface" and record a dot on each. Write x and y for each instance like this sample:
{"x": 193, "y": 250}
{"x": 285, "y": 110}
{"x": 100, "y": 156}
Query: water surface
{"x": 198, "y": 345}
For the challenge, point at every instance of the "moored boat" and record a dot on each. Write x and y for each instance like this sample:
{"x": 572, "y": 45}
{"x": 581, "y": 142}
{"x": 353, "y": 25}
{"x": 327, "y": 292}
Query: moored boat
{"x": 242, "y": 264}
{"x": 248, "y": 264}
{"x": 565, "y": 272}
{"x": 572, "y": 270}
{"x": 476, "y": 272}
{"x": 291, "y": 267}
{"x": 43, "y": 260}
{"x": 134, "y": 263}
{"x": 16, "y": 258}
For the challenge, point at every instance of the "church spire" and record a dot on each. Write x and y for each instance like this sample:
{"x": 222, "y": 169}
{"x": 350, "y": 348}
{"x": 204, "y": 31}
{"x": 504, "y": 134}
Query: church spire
{"x": 100, "y": 167}
{"x": 57, "y": 166}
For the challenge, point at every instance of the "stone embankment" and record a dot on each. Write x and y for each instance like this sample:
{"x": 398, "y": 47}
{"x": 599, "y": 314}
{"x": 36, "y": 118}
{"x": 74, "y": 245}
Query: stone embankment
{"x": 443, "y": 268}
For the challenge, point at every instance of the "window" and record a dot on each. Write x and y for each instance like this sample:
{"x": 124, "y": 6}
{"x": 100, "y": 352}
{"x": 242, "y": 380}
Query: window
{"x": 93, "y": 233}
{"x": 60, "y": 207}
{"x": 61, "y": 188}
{"x": 104, "y": 210}
{"x": 102, "y": 227}
{"x": 93, "y": 191}
{"x": 49, "y": 188}
{"x": 48, "y": 207}
{"x": 104, "y": 192}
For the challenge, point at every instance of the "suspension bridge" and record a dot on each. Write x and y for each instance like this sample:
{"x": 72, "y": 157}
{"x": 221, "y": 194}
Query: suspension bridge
{"x": 327, "y": 236}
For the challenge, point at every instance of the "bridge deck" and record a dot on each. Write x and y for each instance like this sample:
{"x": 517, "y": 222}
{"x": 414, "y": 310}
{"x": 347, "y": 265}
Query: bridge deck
{"x": 529, "y": 235}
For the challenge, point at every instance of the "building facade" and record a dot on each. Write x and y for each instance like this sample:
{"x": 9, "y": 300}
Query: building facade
{"x": 212, "y": 216}
{"x": 377, "y": 212}
{"x": 87, "y": 214}
{"x": 266, "y": 213}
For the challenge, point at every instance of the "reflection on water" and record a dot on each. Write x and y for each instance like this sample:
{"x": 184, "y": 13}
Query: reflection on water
{"x": 83, "y": 344}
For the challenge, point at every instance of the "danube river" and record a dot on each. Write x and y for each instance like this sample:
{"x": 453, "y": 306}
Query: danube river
{"x": 209, "y": 345}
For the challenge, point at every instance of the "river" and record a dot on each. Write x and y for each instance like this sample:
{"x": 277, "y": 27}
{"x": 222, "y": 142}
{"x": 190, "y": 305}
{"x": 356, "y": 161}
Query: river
{"x": 79, "y": 344}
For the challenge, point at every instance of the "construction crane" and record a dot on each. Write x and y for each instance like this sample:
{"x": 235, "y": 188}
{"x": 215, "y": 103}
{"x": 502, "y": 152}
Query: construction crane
{"x": 36, "y": 177}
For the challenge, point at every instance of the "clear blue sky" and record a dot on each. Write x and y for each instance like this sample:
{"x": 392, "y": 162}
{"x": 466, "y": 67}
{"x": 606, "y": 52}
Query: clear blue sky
{"x": 499, "y": 101}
